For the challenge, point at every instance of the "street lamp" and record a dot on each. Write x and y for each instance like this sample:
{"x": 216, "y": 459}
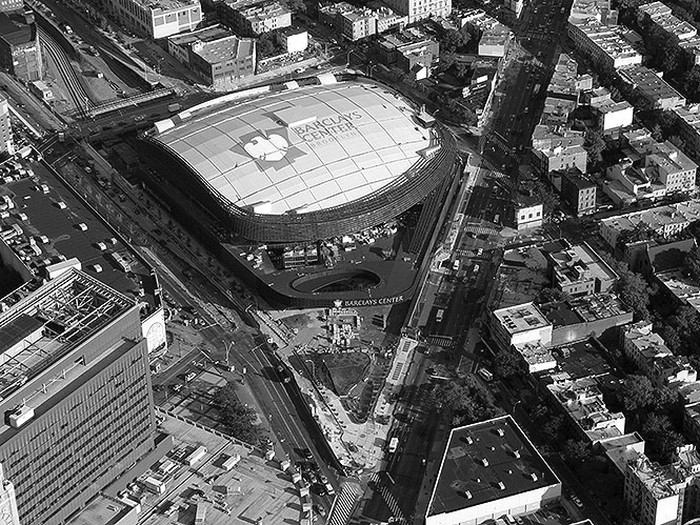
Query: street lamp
{"x": 515, "y": 405}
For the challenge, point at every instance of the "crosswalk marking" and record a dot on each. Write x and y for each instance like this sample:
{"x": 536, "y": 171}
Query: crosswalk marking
{"x": 389, "y": 499}
{"x": 343, "y": 505}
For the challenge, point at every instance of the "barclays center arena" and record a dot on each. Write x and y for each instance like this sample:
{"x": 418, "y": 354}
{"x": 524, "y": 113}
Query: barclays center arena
{"x": 316, "y": 191}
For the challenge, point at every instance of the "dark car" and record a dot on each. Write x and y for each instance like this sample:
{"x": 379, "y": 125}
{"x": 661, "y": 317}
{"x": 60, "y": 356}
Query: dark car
{"x": 306, "y": 454}
{"x": 283, "y": 374}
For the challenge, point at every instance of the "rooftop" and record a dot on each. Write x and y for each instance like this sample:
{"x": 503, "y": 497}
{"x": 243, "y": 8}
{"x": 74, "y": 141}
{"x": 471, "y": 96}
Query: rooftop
{"x": 651, "y": 85}
{"x": 579, "y": 360}
{"x": 682, "y": 213}
{"x": 485, "y": 462}
{"x": 70, "y": 308}
{"x": 15, "y": 30}
{"x": 166, "y": 5}
{"x": 647, "y": 343}
{"x": 216, "y": 44}
{"x": 579, "y": 263}
{"x": 301, "y": 149}
{"x": 563, "y": 80}
{"x": 521, "y": 318}
{"x": 608, "y": 40}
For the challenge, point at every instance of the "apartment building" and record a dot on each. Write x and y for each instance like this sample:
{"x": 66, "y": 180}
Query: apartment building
{"x": 85, "y": 382}
{"x": 579, "y": 193}
{"x": 603, "y": 44}
{"x": 528, "y": 214}
{"x": 577, "y": 270}
{"x": 157, "y": 18}
{"x": 494, "y": 37}
{"x": 599, "y": 10}
{"x": 251, "y": 18}
{"x": 688, "y": 128}
{"x": 355, "y": 22}
{"x": 218, "y": 57}
{"x": 557, "y": 148}
{"x": 408, "y": 49}
{"x": 664, "y": 220}
{"x": 612, "y": 115}
{"x": 416, "y": 10}
{"x": 562, "y": 92}
{"x": 523, "y": 323}
{"x": 652, "y": 87}
{"x": 657, "y": 169}
{"x": 663, "y": 494}
{"x": 683, "y": 33}
{"x": 582, "y": 401}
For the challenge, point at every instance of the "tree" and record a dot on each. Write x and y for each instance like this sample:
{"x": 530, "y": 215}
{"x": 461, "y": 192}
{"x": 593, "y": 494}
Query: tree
{"x": 296, "y": 6}
{"x": 594, "y": 144}
{"x": 691, "y": 264}
{"x": 576, "y": 451}
{"x": 463, "y": 402}
{"x": 661, "y": 439}
{"x": 453, "y": 40}
{"x": 637, "y": 393}
{"x": 551, "y": 295}
{"x": 633, "y": 290}
{"x": 237, "y": 417}
{"x": 507, "y": 364}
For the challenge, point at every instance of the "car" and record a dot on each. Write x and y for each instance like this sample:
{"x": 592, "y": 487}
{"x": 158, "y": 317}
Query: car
{"x": 319, "y": 510}
{"x": 320, "y": 489}
{"x": 190, "y": 376}
{"x": 283, "y": 374}
{"x": 577, "y": 501}
{"x": 306, "y": 454}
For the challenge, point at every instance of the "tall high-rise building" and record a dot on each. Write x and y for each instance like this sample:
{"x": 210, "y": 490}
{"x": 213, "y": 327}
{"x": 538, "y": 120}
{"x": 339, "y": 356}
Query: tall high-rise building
{"x": 7, "y": 6}
{"x": 75, "y": 392}
{"x": 8, "y": 502}
{"x": 5, "y": 127}
{"x": 20, "y": 50}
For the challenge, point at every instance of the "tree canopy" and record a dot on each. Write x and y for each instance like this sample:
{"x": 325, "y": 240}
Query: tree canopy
{"x": 463, "y": 402}
{"x": 632, "y": 289}
{"x": 238, "y": 418}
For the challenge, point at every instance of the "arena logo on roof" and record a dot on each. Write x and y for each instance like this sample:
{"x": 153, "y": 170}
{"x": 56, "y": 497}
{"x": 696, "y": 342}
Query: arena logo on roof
{"x": 329, "y": 129}
{"x": 269, "y": 149}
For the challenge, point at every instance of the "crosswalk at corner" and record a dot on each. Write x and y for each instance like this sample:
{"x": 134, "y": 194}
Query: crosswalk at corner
{"x": 344, "y": 504}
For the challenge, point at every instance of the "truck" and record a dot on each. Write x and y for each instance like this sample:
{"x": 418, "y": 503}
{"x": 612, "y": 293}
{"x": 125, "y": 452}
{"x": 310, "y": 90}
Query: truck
{"x": 154, "y": 485}
{"x": 174, "y": 107}
{"x": 455, "y": 265}
{"x": 393, "y": 445}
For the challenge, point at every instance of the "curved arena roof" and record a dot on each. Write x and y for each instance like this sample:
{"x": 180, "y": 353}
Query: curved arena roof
{"x": 306, "y": 154}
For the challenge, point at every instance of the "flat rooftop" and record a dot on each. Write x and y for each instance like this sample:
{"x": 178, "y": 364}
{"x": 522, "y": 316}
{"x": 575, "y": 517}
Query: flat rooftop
{"x": 60, "y": 225}
{"x": 106, "y": 511}
{"x": 658, "y": 217}
{"x": 579, "y": 360}
{"x": 70, "y": 308}
{"x": 521, "y": 318}
{"x": 487, "y": 461}
{"x": 579, "y": 263}
{"x": 166, "y": 5}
